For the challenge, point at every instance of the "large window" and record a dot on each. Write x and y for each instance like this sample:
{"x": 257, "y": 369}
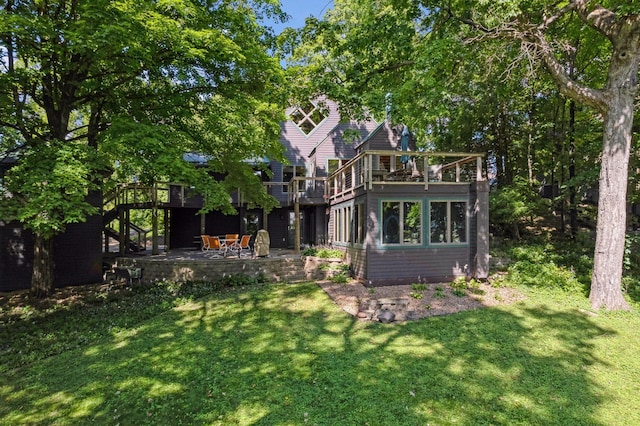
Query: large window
{"x": 448, "y": 222}
{"x": 308, "y": 117}
{"x": 402, "y": 222}
{"x": 349, "y": 224}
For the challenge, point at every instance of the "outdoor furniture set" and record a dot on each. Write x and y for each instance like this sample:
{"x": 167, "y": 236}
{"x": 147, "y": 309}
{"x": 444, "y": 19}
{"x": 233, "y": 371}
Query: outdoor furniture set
{"x": 228, "y": 244}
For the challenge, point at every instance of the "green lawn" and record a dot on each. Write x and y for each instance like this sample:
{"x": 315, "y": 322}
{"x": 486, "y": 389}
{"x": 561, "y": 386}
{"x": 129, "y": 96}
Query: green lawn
{"x": 286, "y": 355}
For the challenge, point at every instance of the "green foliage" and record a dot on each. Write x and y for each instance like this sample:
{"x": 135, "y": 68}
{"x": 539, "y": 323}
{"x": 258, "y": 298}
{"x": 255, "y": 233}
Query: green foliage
{"x": 547, "y": 275}
{"x": 47, "y": 189}
{"x": 340, "y": 274}
{"x": 417, "y": 290}
{"x": 514, "y": 205}
{"x": 322, "y": 252}
{"x": 97, "y": 93}
{"x": 416, "y": 294}
{"x": 632, "y": 254}
{"x": 459, "y": 287}
{"x": 554, "y": 264}
{"x": 631, "y": 274}
{"x": 418, "y": 286}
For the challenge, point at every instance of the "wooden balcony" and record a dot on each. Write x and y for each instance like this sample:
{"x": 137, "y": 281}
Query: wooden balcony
{"x": 372, "y": 168}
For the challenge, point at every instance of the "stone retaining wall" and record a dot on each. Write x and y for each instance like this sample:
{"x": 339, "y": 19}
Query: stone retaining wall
{"x": 278, "y": 269}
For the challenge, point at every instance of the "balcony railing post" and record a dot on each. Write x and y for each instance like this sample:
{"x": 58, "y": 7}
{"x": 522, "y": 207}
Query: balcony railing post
{"x": 426, "y": 173}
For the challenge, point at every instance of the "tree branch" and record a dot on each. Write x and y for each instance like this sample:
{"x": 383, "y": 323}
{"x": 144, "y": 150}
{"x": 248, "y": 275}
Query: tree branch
{"x": 600, "y": 18}
{"x": 534, "y": 42}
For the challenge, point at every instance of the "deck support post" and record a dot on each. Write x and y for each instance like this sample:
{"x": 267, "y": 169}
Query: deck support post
{"x": 167, "y": 231}
{"x": 154, "y": 220}
{"x": 296, "y": 211}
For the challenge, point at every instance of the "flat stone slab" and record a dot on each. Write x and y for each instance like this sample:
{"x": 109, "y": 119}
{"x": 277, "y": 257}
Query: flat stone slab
{"x": 385, "y": 310}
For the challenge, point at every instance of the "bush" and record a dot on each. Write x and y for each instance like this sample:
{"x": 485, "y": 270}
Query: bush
{"x": 341, "y": 274}
{"x": 322, "y": 252}
{"x": 544, "y": 275}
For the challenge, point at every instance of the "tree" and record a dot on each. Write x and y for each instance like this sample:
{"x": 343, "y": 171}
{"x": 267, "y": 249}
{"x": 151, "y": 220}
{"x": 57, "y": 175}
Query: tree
{"x": 616, "y": 103}
{"x": 417, "y": 48}
{"x": 93, "y": 91}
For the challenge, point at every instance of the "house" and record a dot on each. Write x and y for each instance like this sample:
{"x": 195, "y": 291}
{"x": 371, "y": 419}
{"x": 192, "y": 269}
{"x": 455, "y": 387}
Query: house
{"x": 400, "y": 215}
{"x": 406, "y": 216}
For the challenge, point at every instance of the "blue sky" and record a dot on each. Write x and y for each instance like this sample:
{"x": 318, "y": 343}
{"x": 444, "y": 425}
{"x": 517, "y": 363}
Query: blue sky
{"x": 301, "y": 9}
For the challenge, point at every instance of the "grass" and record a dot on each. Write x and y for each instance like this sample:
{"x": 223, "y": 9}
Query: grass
{"x": 286, "y": 355}
{"x": 240, "y": 352}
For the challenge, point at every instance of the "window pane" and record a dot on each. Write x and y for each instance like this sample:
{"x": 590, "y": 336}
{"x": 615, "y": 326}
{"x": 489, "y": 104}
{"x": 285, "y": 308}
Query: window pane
{"x": 347, "y": 225}
{"x": 297, "y": 116}
{"x": 317, "y": 116}
{"x": 308, "y": 117}
{"x": 412, "y": 222}
{"x": 438, "y": 222}
{"x": 459, "y": 222}
{"x": 362, "y": 224}
{"x": 306, "y": 126}
{"x": 332, "y": 166}
{"x": 390, "y": 222}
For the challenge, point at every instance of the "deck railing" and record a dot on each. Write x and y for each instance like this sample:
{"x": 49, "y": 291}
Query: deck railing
{"x": 420, "y": 168}
{"x": 139, "y": 194}
{"x": 366, "y": 170}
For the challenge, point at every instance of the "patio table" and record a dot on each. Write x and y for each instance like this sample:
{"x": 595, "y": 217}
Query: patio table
{"x": 228, "y": 244}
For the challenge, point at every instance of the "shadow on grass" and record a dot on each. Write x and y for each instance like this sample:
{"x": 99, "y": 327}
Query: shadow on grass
{"x": 286, "y": 354}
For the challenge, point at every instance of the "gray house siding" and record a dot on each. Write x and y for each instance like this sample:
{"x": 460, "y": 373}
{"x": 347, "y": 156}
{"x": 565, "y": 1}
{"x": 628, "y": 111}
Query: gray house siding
{"x": 334, "y": 146}
{"x": 378, "y": 264}
{"x": 416, "y": 265}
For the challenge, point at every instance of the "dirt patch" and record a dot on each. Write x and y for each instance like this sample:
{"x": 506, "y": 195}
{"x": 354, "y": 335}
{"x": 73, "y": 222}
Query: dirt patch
{"x": 62, "y": 297}
{"x": 436, "y": 299}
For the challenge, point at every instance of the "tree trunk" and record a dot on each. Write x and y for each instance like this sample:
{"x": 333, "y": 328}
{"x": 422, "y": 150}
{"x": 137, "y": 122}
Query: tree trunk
{"x": 606, "y": 283}
{"x": 42, "y": 278}
{"x": 573, "y": 208}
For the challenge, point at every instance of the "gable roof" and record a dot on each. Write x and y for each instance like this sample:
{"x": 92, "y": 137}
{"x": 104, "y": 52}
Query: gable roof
{"x": 340, "y": 128}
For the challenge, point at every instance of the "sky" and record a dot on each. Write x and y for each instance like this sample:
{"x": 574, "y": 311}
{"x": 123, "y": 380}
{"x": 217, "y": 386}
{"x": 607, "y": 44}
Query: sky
{"x": 301, "y": 9}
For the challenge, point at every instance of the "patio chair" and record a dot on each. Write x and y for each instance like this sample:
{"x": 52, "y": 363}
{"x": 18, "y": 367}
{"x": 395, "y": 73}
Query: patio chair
{"x": 243, "y": 245}
{"x": 213, "y": 244}
{"x": 205, "y": 242}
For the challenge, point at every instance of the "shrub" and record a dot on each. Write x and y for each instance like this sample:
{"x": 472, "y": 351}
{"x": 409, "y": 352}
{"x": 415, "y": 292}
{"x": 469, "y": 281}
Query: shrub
{"x": 418, "y": 286}
{"x": 322, "y": 252}
{"x": 544, "y": 275}
{"x": 339, "y": 273}
{"x": 416, "y": 295}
